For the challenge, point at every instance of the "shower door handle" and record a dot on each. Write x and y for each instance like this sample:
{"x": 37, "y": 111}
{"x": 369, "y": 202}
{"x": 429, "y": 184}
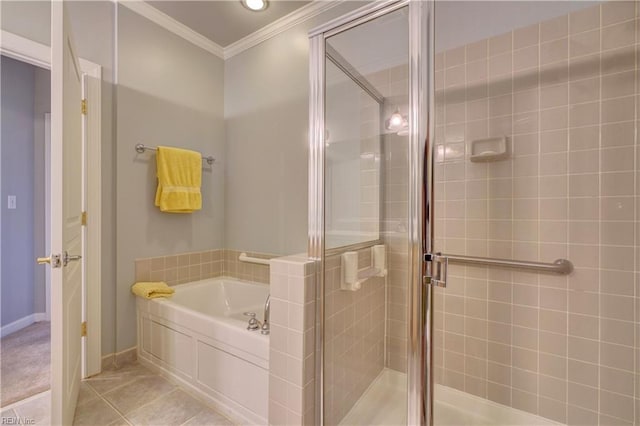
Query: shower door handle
{"x": 438, "y": 268}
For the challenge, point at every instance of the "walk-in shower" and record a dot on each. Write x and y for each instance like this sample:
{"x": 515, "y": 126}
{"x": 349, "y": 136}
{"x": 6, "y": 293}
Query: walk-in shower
{"x": 492, "y": 148}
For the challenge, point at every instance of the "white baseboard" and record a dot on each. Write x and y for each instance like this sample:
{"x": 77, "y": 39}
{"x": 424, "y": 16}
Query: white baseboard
{"x": 23, "y": 322}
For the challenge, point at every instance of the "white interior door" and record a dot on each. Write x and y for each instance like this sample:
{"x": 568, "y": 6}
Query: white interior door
{"x": 66, "y": 213}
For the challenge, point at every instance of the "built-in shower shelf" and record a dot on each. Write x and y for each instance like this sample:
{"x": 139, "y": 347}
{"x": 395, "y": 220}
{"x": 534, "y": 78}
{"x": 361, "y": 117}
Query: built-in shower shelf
{"x": 490, "y": 149}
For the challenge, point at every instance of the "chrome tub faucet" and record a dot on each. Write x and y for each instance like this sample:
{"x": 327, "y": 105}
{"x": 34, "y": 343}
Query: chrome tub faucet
{"x": 267, "y": 309}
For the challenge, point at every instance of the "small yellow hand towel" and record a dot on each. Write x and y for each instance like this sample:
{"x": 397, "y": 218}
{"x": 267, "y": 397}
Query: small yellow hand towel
{"x": 179, "y": 180}
{"x": 152, "y": 290}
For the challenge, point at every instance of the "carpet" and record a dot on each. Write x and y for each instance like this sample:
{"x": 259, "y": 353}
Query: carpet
{"x": 25, "y": 359}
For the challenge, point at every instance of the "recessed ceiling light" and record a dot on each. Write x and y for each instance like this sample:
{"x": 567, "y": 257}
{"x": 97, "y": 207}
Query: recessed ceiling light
{"x": 255, "y": 5}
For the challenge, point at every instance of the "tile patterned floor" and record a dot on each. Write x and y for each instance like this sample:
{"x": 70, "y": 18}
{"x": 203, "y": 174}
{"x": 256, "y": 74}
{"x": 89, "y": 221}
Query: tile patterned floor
{"x": 131, "y": 395}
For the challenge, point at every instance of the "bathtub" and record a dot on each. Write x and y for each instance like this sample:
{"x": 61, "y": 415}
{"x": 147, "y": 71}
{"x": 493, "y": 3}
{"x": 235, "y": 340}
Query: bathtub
{"x": 199, "y": 338}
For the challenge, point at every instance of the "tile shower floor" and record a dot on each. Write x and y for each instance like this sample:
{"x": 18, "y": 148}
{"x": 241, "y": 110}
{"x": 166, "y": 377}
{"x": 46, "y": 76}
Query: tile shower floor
{"x": 131, "y": 395}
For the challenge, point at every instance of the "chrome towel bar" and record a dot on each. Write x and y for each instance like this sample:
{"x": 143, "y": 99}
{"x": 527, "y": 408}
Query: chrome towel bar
{"x": 560, "y": 266}
{"x": 140, "y": 148}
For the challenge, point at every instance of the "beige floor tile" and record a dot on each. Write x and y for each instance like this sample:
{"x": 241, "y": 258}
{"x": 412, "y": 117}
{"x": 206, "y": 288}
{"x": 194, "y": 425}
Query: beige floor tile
{"x": 86, "y": 393}
{"x": 208, "y": 417}
{"x": 132, "y": 369}
{"x": 95, "y": 413}
{"x": 172, "y": 409}
{"x": 7, "y": 414}
{"x": 113, "y": 378}
{"x": 120, "y": 422}
{"x": 138, "y": 393}
{"x": 37, "y": 410}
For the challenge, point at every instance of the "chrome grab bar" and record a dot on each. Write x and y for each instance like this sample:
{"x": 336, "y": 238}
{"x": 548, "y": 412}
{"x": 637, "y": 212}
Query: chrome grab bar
{"x": 560, "y": 266}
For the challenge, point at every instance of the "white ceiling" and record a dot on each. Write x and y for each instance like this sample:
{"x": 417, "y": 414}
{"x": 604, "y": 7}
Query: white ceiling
{"x": 224, "y": 21}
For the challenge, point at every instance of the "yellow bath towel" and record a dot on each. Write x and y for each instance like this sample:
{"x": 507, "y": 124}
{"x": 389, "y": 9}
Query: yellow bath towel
{"x": 179, "y": 180}
{"x": 152, "y": 290}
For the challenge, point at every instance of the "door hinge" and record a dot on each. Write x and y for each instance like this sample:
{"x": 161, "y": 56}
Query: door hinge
{"x": 83, "y": 329}
{"x": 83, "y": 219}
{"x": 84, "y": 107}
{"x": 438, "y": 268}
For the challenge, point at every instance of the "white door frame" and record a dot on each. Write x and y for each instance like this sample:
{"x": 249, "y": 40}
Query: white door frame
{"x": 25, "y": 50}
{"x": 47, "y": 210}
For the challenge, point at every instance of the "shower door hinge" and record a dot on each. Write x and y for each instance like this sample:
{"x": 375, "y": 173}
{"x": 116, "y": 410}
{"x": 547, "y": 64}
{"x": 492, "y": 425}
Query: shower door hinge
{"x": 84, "y": 107}
{"x": 83, "y": 219}
{"x": 438, "y": 267}
{"x": 83, "y": 329}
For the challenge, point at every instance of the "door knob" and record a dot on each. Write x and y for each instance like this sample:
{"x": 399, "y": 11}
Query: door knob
{"x": 70, "y": 258}
{"x": 53, "y": 260}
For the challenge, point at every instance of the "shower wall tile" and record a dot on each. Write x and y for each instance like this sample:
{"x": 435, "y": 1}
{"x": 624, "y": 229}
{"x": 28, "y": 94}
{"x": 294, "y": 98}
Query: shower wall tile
{"x": 395, "y": 149}
{"x": 565, "y": 93}
{"x": 354, "y": 338}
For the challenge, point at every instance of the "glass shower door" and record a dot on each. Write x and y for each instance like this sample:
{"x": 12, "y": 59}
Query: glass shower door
{"x": 365, "y": 222}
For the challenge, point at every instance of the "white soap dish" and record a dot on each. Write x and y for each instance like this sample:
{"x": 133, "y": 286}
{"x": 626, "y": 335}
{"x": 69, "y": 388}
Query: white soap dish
{"x": 491, "y": 149}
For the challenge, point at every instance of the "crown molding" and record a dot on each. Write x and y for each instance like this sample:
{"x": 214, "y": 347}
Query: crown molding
{"x": 144, "y": 9}
{"x": 294, "y": 18}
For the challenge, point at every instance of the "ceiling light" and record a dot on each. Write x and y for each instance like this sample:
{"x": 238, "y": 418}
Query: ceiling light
{"x": 255, "y": 5}
{"x": 395, "y": 121}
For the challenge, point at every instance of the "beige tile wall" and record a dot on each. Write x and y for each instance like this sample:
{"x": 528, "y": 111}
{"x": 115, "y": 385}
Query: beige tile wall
{"x": 565, "y": 93}
{"x": 353, "y": 337}
{"x": 185, "y": 267}
{"x": 393, "y": 84}
{"x": 292, "y": 342}
{"x": 232, "y": 267}
{"x": 370, "y": 150}
{"x": 395, "y": 214}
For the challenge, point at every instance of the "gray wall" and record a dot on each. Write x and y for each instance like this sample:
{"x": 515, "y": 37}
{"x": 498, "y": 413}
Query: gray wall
{"x": 266, "y": 107}
{"x": 17, "y": 140}
{"x": 170, "y": 92}
{"x": 93, "y": 27}
{"x": 41, "y": 105}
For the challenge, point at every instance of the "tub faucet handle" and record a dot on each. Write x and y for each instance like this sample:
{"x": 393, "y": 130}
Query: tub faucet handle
{"x": 254, "y": 324}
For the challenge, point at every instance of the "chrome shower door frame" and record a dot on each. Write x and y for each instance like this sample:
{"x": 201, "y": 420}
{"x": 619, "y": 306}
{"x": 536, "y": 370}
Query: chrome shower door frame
{"x": 420, "y": 227}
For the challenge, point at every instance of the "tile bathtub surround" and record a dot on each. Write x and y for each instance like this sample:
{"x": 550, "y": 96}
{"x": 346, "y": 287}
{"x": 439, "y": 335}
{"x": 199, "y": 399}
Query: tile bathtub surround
{"x": 181, "y": 268}
{"x": 193, "y": 266}
{"x": 354, "y": 337}
{"x": 292, "y": 342}
{"x": 564, "y": 92}
{"x": 232, "y": 267}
